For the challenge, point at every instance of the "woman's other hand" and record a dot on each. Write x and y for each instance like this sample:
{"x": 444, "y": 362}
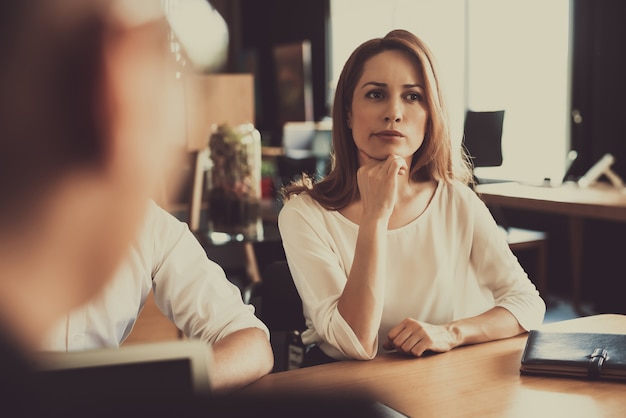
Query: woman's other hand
{"x": 415, "y": 338}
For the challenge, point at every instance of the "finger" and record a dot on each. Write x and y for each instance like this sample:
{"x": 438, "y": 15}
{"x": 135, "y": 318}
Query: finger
{"x": 393, "y": 332}
{"x": 388, "y": 345}
{"x": 407, "y": 326}
{"x": 396, "y": 164}
{"x": 419, "y": 349}
{"x": 410, "y": 343}
{"x": 402, "y": 166}
{"x": 405, "y": 340}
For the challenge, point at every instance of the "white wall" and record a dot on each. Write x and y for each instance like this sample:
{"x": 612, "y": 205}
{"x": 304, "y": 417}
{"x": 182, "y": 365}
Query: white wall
{"x": 493, "y": 54}
{"x": 441, "y": 24}
{"x": 518, "y": 55}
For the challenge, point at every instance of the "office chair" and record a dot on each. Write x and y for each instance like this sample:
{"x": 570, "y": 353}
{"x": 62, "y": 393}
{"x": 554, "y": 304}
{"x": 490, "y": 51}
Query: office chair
{"x": 482, "y": 139}
{"x": 278, "y": 305}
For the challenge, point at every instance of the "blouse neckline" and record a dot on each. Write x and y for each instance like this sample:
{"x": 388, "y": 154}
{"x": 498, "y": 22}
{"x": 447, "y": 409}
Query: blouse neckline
{"x": 416, "y": 220}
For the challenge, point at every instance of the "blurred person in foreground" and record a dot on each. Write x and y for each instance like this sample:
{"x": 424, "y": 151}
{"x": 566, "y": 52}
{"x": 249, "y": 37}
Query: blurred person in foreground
{"x": 88, "y": 116}
{"x": 167, "y": 260}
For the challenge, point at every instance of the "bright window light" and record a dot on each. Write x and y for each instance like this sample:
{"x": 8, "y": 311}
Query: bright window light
{"x": 439, "y": 23}
{"x": 492, "y": 54}
{"x": 518, "y": 60}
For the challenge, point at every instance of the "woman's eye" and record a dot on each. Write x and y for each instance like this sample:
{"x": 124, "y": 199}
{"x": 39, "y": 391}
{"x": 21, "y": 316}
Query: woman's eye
{"x": 374, "y": 94}
{"x": 414, "y": 97}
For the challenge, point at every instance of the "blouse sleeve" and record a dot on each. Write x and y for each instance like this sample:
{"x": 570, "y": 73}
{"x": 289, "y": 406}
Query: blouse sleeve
{"x": 497, "y": 268}
{"x": 192, "y": 290}
{"x": 319, "y": 275}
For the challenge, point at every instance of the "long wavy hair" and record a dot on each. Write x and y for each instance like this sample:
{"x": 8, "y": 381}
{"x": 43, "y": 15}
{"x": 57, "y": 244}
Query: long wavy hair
{"x": 432, "y": 161}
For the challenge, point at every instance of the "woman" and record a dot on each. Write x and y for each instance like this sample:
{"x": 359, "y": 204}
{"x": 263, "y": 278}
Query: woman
{"x": 392, "y": 250}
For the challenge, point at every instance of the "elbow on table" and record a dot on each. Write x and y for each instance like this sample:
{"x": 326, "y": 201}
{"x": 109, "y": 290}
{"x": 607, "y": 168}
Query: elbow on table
{"x": 360, "y": 353}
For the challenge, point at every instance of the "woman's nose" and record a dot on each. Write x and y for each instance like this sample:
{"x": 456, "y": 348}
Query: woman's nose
{"x": 394, "y": 112}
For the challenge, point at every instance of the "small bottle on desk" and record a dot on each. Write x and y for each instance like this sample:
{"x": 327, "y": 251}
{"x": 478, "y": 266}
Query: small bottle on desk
{"x": 295, "y": 350}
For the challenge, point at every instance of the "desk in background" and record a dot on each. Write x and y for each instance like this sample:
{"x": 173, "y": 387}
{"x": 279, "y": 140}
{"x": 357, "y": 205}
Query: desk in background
{"x": 578, "y": 204}
{"x": 473, "y": 381}
{"x": 600, "y": 202}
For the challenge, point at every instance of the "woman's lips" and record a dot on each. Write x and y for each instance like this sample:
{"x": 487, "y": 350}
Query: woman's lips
{"x": 389, "y": 135}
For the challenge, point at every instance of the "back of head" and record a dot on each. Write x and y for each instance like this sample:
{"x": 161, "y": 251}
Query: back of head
{"x": 89, "y": 113}
{"x": 51, "y": 62}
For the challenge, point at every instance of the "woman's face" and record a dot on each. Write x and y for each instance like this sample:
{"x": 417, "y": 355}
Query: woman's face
{"x": 389, "y": 112}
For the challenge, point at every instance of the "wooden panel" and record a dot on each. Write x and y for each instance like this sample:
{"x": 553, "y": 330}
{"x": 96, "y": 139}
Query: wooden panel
{"x": 216, "y": 99}
{"x": 209, "y": 99}
{"x": 152, "y": 326}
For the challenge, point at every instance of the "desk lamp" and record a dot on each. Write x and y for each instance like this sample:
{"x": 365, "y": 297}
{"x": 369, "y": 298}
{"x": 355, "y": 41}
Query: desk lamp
{"x": 602, "y": 167}
{"x": 201, "y": 32}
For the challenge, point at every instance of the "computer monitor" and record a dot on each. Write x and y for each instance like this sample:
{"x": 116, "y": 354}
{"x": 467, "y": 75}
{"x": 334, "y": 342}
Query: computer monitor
{"x": 173, "y": 368}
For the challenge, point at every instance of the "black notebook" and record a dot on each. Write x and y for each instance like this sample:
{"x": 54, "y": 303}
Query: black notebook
{"x": 583, "y": 355}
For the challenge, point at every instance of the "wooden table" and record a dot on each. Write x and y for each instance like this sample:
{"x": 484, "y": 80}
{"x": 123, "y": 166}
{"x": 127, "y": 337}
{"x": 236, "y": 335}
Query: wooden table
{"x": 473, "y": 381}
{"x": 577, "y": 203}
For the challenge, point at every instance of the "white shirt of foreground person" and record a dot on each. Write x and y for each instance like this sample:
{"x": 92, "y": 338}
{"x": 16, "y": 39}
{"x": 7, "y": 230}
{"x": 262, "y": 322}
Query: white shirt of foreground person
{"x": 451, "y": 262}
{"x": 190, "y": 289}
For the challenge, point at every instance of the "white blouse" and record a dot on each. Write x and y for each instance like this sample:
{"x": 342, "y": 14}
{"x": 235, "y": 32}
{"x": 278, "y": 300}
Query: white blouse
{"x": 451, "y": 262}
{"x": 190, "y": 289}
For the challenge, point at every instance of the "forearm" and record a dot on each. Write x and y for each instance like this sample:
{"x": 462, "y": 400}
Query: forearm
{"x": 497, "y": 323}
{"x": 361, "y": 302}
{"x": 239, "y": 359}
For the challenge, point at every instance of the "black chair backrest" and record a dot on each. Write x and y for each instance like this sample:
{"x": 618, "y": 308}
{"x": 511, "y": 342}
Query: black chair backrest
{"x": 482, "y": 137}
{"x": 281, "y": 306}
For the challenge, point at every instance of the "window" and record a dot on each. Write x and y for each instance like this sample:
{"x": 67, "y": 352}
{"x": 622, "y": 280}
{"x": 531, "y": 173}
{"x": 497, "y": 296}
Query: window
{"x": 518, "y": 60}
{"x": 439, "y": 23}
{"x": 492, "y": 54}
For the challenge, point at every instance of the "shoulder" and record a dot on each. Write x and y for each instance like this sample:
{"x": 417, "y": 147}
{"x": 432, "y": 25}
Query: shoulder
{"x": 458, "y": 193}
{"x": 303, "y": 213}
{"x": 155, "y": 213}
{"x": 159, "y": 226}
{"x": 303, "y": 205}
{"x": 157, "y": 217}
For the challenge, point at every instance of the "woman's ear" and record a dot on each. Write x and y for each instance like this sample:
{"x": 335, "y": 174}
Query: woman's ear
{"x": 349, "y": 119}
